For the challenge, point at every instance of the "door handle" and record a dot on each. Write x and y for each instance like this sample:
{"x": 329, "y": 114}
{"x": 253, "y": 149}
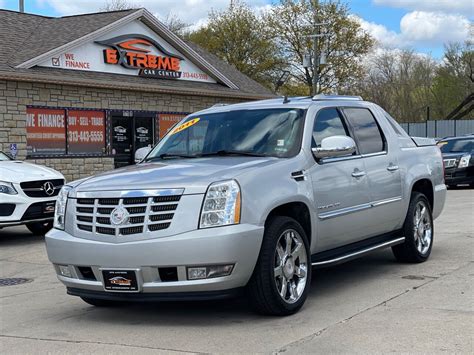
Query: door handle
{"x": 392, "y": 167}
{"x": 358, "y": 173}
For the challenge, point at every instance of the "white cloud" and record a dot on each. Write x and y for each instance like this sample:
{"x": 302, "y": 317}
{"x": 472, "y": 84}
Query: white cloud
{"x": 456, "y": 6}
{"x": 420, "y": 28}
{"x": 434, "y": 27}
{"x": 193, "y": 12}
{"x": 382, "y": 34}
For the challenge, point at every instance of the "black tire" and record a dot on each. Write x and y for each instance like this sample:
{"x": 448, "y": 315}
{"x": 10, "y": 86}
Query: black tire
{"x": 97, "y": 302}
{"x": 408, "y": 251}
{"x": 262, "y": 287}
{"x": 40, "y": 228}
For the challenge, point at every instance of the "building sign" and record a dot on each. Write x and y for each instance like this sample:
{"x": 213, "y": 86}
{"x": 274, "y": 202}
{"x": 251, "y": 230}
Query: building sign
{"x": 166, "y": 121}
{"x": 86, "y": 131}
{"x": 135, "y": 50}
{"x": 45, "y": 131}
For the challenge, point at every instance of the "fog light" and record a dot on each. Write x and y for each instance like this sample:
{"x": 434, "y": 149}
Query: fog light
{"x": 196, "y": 273}
{"x": 64, "y": 271}
{"x": 206, "y": 272}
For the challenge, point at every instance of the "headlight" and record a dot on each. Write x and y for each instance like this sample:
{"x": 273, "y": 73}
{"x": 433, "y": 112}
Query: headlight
{"x": 464, "y": 161}
{"x": 221, "y": 205}
{"x": 7, "y": 188}
{"x": 60, "y": 209}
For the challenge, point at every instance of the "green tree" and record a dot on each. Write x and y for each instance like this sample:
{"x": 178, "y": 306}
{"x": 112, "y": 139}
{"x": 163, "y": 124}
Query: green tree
{"x": 454, "y": 82}
{"x": 400, "y": 82}
{"x": 292, "y": 21}
{"x": 240, "y": 37}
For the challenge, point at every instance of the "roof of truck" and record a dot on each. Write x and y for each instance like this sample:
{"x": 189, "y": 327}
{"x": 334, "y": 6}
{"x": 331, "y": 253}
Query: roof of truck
{"x": 301, "y": 102}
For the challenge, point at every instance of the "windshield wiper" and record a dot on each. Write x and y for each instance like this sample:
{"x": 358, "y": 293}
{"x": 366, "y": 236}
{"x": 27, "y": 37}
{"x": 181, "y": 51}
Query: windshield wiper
{"x": 234, "y": 152}
{"x": 171, "y": 156}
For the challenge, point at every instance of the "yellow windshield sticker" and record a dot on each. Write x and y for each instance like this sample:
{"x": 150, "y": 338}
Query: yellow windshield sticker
{"x": 185, "y": 125}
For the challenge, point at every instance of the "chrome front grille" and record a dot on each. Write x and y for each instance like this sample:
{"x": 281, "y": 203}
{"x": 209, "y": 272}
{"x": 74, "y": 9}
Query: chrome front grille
{"x": 449, "y": 163}
{"x": 144, "y": 214}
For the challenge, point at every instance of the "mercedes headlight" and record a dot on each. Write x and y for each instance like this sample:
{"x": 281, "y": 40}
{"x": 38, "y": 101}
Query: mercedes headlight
{"x": 221, "y": 205}
{"x": 464, "y": 161}
{"x": 7, "y": 188}
{"x": 60, "y": 209}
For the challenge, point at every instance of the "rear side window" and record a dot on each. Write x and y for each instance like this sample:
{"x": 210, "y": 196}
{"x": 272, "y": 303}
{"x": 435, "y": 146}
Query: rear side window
{"x": 366, "y": 130}
{"x": 328, "y": 123}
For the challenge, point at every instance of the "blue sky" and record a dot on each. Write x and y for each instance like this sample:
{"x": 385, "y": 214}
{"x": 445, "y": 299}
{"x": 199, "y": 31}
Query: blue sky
{"x": 422, "y": 25}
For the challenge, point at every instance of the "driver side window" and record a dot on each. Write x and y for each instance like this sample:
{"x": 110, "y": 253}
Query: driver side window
{"x": 328, "y": 123}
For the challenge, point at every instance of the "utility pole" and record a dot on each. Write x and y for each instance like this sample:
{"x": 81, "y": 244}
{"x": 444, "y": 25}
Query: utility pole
{"x": 316, "y": 49}
{"x": 21, "y": 5}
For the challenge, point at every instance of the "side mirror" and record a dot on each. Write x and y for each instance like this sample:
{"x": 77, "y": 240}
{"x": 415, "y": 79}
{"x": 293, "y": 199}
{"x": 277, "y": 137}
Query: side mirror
{"x": 335, "y": 146}
{"x": 141, "y": 153}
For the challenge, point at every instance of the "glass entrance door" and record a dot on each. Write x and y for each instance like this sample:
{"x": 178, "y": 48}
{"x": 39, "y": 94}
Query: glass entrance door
{"x": 122, "y": 143}
{"x": 143, "y": 132}
{"x": 130, "y": 131}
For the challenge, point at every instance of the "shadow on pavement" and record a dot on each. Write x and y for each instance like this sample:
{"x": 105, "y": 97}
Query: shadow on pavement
{"x": 14, "y": 236}
{"x": 331, "y": 281}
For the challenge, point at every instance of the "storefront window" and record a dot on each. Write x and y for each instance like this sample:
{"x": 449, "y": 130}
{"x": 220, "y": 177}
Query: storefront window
{"x": 72, "y": 132}
{"x": 86, "y": 132}
{"x": 45, "y": 131}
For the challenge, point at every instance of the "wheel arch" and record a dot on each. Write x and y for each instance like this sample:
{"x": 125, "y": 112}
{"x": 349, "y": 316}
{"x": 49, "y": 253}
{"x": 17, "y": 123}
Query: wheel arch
{"x": 424, "y": 186}
{"x": 297, "y": 210}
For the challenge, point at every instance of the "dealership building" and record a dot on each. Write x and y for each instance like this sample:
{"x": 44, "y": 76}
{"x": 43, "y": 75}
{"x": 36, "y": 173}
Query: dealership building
{"x": 82, "y": 93}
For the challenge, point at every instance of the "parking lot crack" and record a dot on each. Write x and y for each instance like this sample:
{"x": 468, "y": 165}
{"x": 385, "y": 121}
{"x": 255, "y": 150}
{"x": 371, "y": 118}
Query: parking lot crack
{"x": 100, "y": 343}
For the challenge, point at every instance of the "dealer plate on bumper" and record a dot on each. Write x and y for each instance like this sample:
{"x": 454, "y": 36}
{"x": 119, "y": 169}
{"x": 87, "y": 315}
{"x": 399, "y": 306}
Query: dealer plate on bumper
{"x": 120, "y": 280}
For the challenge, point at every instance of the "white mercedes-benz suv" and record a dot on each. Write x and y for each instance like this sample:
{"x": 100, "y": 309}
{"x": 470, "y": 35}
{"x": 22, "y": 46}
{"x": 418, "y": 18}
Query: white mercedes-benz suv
{"x": 28, "y": 194}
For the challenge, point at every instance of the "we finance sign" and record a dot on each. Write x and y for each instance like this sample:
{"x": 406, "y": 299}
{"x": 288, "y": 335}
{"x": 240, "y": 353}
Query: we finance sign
{"x": 143, "y": 53}
{"x": 133, "y": 50}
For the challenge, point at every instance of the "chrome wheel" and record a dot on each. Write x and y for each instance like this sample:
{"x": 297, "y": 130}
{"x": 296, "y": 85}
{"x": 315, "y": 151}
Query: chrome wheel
{"x": 291, "y": 266}
{"x": 422, "y": 228}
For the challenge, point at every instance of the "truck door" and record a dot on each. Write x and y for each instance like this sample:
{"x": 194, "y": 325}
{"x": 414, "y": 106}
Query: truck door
{"x": 383, "y": 174}
{"x": 340, "y": 188}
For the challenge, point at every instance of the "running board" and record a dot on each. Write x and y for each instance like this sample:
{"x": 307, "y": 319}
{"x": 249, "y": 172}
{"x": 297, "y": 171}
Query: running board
{"x": 357, "y": 253}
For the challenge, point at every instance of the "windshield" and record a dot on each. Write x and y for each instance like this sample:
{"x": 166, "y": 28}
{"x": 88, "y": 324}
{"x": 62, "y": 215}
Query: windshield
{"x": 266, "y": 132}
{"x": 4, "y": 157}
{"x": 457, "y": 145}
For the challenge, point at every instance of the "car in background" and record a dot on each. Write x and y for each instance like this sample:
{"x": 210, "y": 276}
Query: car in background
{"x": 28, "y": 194}
{"x": 458, "y": 157}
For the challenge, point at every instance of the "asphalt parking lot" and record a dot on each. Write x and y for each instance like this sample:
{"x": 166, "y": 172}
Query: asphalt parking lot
{"x": 371, "y": 305}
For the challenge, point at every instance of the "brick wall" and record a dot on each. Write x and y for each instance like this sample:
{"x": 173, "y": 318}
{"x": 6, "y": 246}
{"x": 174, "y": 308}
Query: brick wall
{"x": 15, "y": 96}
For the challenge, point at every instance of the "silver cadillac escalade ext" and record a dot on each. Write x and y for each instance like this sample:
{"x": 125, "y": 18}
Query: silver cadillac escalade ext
{"x": 250, "y": 196}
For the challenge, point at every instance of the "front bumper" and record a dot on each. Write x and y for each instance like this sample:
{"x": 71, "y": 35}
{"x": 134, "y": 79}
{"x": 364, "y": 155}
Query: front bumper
{"x": 20, "y": 209}
{"x": 457, "y": 176}
{"x": 238, "y": 245}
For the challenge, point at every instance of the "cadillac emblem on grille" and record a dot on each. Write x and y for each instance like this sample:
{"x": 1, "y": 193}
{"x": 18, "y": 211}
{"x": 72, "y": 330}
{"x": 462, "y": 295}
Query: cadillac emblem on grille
{"x": 119, "y": 216}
